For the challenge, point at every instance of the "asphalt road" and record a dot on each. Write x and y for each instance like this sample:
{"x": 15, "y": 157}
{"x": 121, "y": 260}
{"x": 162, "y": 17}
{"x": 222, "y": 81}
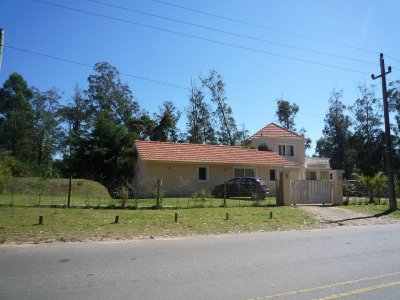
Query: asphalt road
{"x": 343, "y": 262}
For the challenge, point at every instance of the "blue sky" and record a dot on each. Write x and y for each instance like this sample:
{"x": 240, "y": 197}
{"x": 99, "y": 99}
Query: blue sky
{"x": 254, "y": 79}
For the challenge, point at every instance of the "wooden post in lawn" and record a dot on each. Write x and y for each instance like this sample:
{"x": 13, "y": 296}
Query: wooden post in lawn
{"x": 225, "y": 194}
{"x": 158, "y": 193}
{"x": 69, "y": 191}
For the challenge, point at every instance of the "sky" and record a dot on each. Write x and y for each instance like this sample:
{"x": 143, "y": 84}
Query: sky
{"x": 264, "y": 50}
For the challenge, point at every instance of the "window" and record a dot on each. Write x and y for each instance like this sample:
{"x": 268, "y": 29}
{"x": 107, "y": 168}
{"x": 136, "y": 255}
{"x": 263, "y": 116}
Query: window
{"x": 286, "y": 150}
{"x": 244, "y": 172}
{"x": 272, "y": 175}
{"x": 202, "y": 173}
{"x": 311, "y": 175}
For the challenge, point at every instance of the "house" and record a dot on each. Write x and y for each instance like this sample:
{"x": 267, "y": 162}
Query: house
{"x": 185, "y": 168}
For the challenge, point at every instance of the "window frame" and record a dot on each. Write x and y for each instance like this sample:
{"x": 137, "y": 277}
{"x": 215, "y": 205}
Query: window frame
{"x": 207, "y": 173}
{"x": 244, "y": 171}
{"x": 286, "y": 150}
{"x": 309, "y": 177}
{"x": 274, "y": 172}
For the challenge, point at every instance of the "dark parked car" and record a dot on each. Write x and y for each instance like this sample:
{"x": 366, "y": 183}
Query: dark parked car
{"x": 243, "y": 187}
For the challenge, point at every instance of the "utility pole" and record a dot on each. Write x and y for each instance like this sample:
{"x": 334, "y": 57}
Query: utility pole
{"x": 388, "y": 139}
{"x": 1, "y": 44}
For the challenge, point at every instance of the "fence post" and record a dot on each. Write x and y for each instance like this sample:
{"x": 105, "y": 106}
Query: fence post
{"x": 40, "y": 220}
{"x": 69, "y": 191}
{"x": 159, "y": 183}
{"x": 227, "y": 216}
{"x": 337, "y": 187}
{"x": 224, "y": 193}
{"x": 116, "y": 219}
{"x": 176, "y": 217}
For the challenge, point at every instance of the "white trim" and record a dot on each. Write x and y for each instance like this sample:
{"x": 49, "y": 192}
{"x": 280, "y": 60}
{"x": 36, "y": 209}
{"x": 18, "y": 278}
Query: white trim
{"x": 244, "y": 167}
{"x": 287, "y": 147}
{"x": 207, "y": 173}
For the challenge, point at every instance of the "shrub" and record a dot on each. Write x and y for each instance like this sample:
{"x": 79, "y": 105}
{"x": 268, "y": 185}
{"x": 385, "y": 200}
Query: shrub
{"x": 5, "y": 175}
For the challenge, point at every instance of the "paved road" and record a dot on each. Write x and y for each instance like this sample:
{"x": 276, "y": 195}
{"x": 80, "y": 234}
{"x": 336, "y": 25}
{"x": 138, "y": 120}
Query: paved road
{"x": 352, "y": 262}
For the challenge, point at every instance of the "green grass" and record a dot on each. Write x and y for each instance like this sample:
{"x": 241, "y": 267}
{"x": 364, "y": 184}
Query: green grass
{"x": 372, "y": 209}
{"x": 104, "y": 200}
{"x": 37, "y": 191}
{"x": 19, "y": 224}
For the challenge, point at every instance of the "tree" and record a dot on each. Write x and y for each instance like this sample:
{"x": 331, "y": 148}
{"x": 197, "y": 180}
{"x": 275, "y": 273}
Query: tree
{"x": 5, "y": 175}
{"x": 368, "y": 139}
{"x": 76, "y": 118}
{"x": 227, "y": 125}
{"x": 286, "y": 112}
{"x": 199, "y": 124}
{"x": 166, "y": 130}
{"x": 16, "y": 118}
{"x": 335, "y": 142}
{"x": 101, "y": 137}
{"x": 105, "y": 152}
{"x": 394, "y": 105}
{"x": 107, "y": 92}
{"x": 394, "y": 102}
{"x": 47, "y": 127}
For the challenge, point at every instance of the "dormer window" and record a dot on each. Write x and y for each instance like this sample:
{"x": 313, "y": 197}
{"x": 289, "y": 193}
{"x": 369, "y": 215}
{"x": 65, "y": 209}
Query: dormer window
{"x": 286, "y": 150}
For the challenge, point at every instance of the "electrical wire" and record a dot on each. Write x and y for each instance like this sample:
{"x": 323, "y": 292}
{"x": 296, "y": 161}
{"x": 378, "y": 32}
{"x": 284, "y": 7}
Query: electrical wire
{"x": 91, "y": 66}
{"x": 202, "y": 38}
{"x": 269, "y": 28}
{"x": 232, "y": 33}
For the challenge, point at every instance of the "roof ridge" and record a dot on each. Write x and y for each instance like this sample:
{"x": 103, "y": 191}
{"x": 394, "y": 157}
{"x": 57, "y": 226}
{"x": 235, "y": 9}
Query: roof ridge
{"x": 283, "y": 128}
{"x": 260, "y": 132}
{"x": 204, "y": 145}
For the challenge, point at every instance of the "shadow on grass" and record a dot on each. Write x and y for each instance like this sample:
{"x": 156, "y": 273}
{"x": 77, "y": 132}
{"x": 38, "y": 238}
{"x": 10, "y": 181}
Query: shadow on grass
{"x": 376, "y": 216}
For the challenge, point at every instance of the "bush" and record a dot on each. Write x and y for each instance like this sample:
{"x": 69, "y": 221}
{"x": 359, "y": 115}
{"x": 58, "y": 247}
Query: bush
{"x": 5, "y": 175}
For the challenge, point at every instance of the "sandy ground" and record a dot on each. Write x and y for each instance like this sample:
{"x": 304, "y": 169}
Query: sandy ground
{"x": 333, "y": 216}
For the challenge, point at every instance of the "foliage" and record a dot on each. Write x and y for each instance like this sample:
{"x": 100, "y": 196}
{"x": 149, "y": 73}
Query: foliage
{"x": 106, "y": 92}
{"x": 17, "y": 118}
{"x": 5, "y": 175}
{"x": 374, "y": 186}
{"x": 166, "y": 130}
{"x": 201, "y": 196}
{"x": 200, "y": 124}
{"x": 47, "y": 128}
{"x": 227, "y": 133}
{"x": 336, "y": 141}
{"x": 286, "y": 112}
{"x": 368, "y": 138}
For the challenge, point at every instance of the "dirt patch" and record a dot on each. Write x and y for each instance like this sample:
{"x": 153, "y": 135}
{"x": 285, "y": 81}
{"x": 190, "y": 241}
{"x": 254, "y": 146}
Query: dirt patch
{"x": 333, "y": 216}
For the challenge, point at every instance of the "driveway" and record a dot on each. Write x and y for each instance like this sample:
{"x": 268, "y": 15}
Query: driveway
{"x": 331, "y": 216}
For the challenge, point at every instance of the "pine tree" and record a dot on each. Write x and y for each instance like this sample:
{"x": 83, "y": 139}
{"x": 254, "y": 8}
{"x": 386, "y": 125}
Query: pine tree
{"x": 335, "y": 142}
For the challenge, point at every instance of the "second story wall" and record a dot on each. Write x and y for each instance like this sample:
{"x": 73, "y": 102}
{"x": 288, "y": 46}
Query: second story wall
{"x": 293, "y": 149}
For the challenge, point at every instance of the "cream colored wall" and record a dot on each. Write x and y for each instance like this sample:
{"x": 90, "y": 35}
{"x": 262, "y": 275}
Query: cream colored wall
{"x": 273, "y": 143}
{"x": 180, "y": 179}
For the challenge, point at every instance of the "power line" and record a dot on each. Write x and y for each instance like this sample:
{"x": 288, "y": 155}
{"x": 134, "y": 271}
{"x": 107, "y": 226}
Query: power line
{"x": 243, "y": 22}
{"x": 203, "y": 38}
{"x": 91, "y": 66}
{"x": 232, "y": 33}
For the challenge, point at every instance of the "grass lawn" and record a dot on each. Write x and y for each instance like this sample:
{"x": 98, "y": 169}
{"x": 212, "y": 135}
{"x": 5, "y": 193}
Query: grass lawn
{"x": 373, "y": 209}
{"x": 19, "y": 224}
{"x": 28, "y": 199}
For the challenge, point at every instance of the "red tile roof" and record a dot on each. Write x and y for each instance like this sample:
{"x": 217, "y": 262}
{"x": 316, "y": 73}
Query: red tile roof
{"x": 273, "y": 130}
{"x": 199, "y": 153}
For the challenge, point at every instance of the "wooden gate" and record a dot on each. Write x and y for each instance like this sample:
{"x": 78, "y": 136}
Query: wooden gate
{"x": 311, "y": 191}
